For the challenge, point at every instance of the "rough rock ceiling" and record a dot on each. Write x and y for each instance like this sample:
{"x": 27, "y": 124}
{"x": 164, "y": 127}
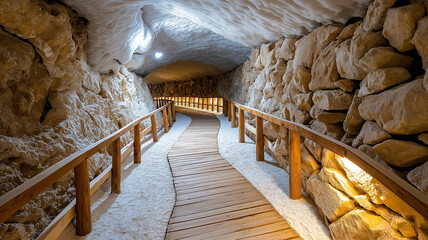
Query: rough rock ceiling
{"x": 215, "y": 32}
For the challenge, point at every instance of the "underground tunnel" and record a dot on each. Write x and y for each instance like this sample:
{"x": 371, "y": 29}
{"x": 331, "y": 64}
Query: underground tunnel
{"x": 280, "y": 119}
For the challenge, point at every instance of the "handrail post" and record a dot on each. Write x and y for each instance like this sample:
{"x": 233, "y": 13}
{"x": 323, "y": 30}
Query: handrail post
{"x": 295, "y": 166}
{"x": 83, "y": 199}
{"x": 165, "y": 120}
{"x": 173, "y": 111}
{"x": 233, "y": 112}
{"x": 218, "y": 104}
{"x": 115, "y": 168}
{"x": 241, "y": 126}
{"x": 137, "y": 143}
{"x": 259, "y": 139}
{"x": 154, "y": 128}
{"x": 225, "y": 107}
{"x": 199, "y": 102}
{"x": 170, "y": 115}
{"x": 229, "y": 108}
{"x": 212, "y": 104}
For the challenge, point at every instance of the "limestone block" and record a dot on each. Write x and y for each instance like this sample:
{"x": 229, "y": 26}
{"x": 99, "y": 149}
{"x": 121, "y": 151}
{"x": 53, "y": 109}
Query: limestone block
{"x": 309, "y": 47}
{"x": 378, "y": 193}
{"x": 425, "y": 83}
{"x": 324, "y": 70}
{"x": 297, "y": 115}
{"x": 401, "y": 110}
{"x": 345, "y": 84}
{"x": 376, "y": 14}
{"x": 332, "y": 130}
{"x": 327, "y": 117}
{"x": 369, "y": 151}
{"x": 361, "y": 224}
{"x": 309, "y": 164}
{"x": 270, "y": 130}
{"x": 304, "y": 101}
{"x": 289, "y": 72}
{"x": 279, "y": 69}
{"x": 400, "y": 25}
{"x": 338, "y": 180}
{"x": 402, "y": 153}
{"x": 420, "y": 40}
{"x": 353, "y": 121}
{"x": 260, "y": 82}
{"x": 419, "y": 177}
{"x": 332, "y": 99}
{"x": 348, "y": 31}
{"x": 384, "y": 57}
{"x": 277, "y": 95}
{"x": 269, "y": 105}
{"x": 255, "y": 52}
{"x": 347, "y": 65}
{"x": 380, "y": 79}
{"x": 423, "y": 138}
{"x": 291, "y": 90}
{"x": 330, "y": 160}
{"x": 302, "y": 78}
{"x": 332, "y": 202}
{"x": 347, "y": 138}
{"x": 286, "y": 49}
{"x": 267, "y": 56}
{"x": 363, "y": 42}
{"x": 280, "y": 147}
{"x": 268, "y": 90}
{"x": 314, "y": 148}
{"x": 371, "y": 133}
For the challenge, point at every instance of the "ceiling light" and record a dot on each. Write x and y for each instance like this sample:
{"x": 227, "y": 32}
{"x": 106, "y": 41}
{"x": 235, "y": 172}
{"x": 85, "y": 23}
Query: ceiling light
{"x": 158, "y": 55}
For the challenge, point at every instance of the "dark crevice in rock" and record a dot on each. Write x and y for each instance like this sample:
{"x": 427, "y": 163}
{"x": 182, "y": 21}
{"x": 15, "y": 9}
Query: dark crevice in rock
{"x": 46, "y": 109}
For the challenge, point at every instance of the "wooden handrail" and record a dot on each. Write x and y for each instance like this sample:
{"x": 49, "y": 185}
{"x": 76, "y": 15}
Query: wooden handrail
{"x": 404, "y": 190}
{"x": 15, "y": 199}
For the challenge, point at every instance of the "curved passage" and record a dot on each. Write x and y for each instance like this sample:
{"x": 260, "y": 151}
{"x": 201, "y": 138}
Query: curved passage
{"x": 213, "y": 200}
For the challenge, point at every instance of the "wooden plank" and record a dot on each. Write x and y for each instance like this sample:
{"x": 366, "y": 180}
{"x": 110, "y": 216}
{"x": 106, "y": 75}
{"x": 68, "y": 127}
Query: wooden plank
{"x": 285, "y": 234}
{"x": 241, "y": 126}
{"x": 154, "y": 129}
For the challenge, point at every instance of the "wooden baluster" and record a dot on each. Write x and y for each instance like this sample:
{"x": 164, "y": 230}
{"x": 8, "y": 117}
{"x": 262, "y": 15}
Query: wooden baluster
{"x": 170, "y": 115}
{"x": 218, "y": 104}
{"x": 212, "y": 104}
{"x": 233, "y": 112}
{"x": 165, "y": 120}
{"x": 295, "y": 166}
{"x": 199, "y": 102}
{"x": 259, "y": 139}
{"x": 83, "y": 199}
{"x": 137, "y": 143}
{"x": 173, "y": 111}
{"x": 229, "y": 107}
{"x": 241, "y": 126}
{"x": 115, "y": 168}
{"x": 193, "y": 101}
{"x": 154, "y": 129}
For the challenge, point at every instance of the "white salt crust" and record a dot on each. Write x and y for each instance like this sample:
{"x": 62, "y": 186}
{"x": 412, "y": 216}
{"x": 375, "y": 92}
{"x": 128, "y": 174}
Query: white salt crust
{"x": 119, "y": 28}
{"x": 143, "y": 208}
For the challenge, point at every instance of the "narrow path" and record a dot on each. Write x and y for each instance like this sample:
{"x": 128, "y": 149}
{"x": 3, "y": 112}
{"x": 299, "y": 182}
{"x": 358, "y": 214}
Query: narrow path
{"x": 214, "y": 201}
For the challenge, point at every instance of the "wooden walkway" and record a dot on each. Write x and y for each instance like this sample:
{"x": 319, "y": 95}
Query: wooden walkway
{"x": 214, "y": 201}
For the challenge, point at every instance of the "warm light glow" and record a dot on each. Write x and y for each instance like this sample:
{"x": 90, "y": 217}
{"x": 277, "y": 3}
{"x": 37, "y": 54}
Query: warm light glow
{"x": 158, "y": 55}
{"x": 349, "y": 164}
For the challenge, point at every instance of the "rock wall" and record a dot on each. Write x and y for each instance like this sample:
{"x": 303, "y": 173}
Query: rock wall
{"x": 363, "y": 83}
{"x": 53, "y": 103}
{"x": 205, "y": 87}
